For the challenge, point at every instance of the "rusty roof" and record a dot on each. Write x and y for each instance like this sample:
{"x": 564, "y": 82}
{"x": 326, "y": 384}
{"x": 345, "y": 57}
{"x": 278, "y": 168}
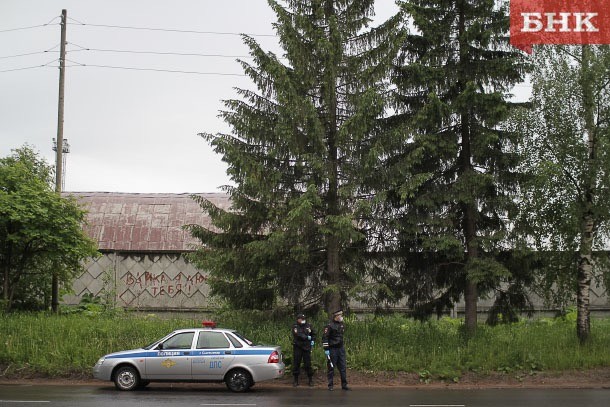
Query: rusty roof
{"x": 144, "y": 222}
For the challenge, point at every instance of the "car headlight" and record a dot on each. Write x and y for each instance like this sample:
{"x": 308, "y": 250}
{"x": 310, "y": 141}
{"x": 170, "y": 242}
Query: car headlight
{"x": 101, "y": 360}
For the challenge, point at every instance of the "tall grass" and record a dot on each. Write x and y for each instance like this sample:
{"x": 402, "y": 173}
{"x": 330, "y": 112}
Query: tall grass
{"x": 70, "y": 344}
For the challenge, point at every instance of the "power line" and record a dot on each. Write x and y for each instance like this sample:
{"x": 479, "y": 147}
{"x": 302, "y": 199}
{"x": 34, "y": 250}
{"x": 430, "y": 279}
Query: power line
{"x": 123, "y": 27}
{"x": 81, "y": 48}
{"x": 29, "y": 67}
{"x": 23, "y": 28}
{"x": 130, "y": 68}
{"x": 30, "y": 53}
{"x": 23, "y": 55}
{"x": 28, "y": 27}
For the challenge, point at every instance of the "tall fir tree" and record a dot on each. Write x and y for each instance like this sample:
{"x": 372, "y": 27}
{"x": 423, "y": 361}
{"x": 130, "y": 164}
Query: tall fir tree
{"x": 298, "y": 152}
{"x": 453, "y": 169}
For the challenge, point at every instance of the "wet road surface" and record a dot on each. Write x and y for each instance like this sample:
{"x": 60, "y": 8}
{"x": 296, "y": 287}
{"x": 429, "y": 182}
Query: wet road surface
{"x": 219, "y": 396}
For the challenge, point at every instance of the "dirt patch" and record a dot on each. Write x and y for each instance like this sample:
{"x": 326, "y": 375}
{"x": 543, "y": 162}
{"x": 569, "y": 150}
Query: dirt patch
{"x": 593, "y": 378}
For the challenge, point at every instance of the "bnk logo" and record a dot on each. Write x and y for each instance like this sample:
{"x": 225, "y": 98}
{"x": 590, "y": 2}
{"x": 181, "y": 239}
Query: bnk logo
{"x": 559, "y": 22}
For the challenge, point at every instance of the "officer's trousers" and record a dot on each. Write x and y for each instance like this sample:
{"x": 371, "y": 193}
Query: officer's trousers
{"x": 305, "y": 355}
{"x": 337, "y": 356}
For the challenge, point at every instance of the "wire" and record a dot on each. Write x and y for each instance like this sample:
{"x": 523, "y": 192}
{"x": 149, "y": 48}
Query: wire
{"x": 22, "y": 69}
{"x": 195, "y": 54}
{"x": 30, "y": 67}
{"x": 154, "y": 52}
{"x": 30, "y": 53}
{"x": 23, "y": 55}
{"x": 23, "y": 28}
{"x": 129, "y": 68}
{"x": 170, "y": 30}
{"x": 29, "y": 27}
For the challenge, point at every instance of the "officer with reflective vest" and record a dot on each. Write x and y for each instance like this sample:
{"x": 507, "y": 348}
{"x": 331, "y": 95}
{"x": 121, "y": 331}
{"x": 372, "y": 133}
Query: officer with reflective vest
{"x": 334, "y": 348}
{"x": 303, "y": 340}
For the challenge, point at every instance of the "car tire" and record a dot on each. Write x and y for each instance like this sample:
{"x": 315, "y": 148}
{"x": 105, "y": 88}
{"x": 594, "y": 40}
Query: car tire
{"x": 238, "y": 380}
{"x": 126, "y": 378}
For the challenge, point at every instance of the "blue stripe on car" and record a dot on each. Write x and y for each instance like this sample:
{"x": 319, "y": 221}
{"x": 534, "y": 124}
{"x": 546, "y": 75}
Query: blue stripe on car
{"x": 164, "y": 354}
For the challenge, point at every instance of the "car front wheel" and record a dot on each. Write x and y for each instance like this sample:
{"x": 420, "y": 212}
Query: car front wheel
{"x": 238, "y": 380}
{"x": 126, "y": 378}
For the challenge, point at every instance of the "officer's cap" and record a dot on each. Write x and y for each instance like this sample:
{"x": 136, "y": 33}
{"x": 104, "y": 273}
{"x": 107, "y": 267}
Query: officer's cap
{"x": 301, "y": 316}
{"x": 337, "y": 313}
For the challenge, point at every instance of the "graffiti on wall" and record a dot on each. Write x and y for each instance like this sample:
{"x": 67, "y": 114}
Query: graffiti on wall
{"x": 161, "y": 284}
{"x": 160, "y": 281}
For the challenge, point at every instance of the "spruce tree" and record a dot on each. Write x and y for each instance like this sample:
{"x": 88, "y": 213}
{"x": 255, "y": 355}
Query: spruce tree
{"x": 299, "y": 149}
{"x": 453, "y": 171}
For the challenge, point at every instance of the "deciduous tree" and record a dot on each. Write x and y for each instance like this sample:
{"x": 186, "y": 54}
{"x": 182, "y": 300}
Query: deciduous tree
{"x": 567, "y": 146}
{"x": 40, "y": 232}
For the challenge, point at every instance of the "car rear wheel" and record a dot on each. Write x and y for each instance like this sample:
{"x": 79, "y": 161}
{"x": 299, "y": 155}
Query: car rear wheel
{"x": 126, "y": 378}
{"x": 238, "y": 380}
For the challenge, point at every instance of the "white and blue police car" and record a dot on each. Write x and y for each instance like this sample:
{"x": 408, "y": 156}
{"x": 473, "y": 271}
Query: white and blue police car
{"x": 193, "y": 355}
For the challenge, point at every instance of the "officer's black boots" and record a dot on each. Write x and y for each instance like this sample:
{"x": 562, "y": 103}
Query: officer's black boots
{"x": 295, "y": 383}
{"x": 310, "y": 382}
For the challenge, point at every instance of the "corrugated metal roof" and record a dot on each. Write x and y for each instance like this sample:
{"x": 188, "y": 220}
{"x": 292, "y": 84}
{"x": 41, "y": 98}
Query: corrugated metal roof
{"x": 144, "y": 222}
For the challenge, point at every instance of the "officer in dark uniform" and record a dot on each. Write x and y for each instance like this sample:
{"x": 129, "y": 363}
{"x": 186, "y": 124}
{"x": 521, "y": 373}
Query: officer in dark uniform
{"x": 332, "y": 341}
{"x": 303, "y": 337}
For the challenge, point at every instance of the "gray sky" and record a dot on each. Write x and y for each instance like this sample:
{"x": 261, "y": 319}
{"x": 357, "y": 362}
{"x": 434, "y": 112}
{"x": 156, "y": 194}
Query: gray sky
{"x": 129, "y": 130}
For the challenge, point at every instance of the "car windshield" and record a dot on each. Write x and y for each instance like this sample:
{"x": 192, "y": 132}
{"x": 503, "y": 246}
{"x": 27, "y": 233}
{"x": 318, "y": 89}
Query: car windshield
{"x": 243, "y": 338}
{"x": 150, "y": 345}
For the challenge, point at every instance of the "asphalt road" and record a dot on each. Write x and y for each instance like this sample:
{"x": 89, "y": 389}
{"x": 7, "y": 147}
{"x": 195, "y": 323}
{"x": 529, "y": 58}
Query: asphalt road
{"x": 218, "y": 396}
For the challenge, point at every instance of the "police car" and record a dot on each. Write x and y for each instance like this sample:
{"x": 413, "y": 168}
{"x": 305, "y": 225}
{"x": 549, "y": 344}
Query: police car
{"x": 193, "y": 355}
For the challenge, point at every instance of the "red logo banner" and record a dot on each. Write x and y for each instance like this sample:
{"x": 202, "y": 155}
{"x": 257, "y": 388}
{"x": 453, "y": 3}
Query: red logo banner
{"x": 559, "y": 22}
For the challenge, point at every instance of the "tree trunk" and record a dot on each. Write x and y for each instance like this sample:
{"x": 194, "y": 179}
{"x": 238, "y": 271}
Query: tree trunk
{"x": 469, "y": 229}
{"x": 585, "y": 272}
{"x": 333, "y": 299}
{"x": 5, "y": 284}
{"x": 587, "y": 227}
{"x": 6, "y": 274}
{"x": 471, "y": 294}
{"x": 333, "y": 247}
{"x": 469, "y": 209}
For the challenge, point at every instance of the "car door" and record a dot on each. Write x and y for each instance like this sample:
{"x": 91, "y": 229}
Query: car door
{"x": 212, "y": 357}
{"x": 171, "y": 359}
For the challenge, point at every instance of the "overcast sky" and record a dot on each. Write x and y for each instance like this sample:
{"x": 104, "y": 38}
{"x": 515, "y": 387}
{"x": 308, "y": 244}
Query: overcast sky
{"x": 128, "y": 130}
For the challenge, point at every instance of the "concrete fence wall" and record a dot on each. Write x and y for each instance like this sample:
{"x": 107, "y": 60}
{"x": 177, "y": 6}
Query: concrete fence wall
{"x": 167, "y": 282}
{"x": 143, "y": 281}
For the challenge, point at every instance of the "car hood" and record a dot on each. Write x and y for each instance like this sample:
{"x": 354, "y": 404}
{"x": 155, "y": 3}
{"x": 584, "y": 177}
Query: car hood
{"x": 127, "y": 353}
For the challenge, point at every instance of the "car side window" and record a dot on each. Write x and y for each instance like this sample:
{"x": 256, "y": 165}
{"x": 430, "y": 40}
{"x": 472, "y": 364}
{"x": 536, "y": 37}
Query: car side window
{"x": 182, "y": 340}
{"x": 234, "y": 341}
{"x": 212, "y": 340}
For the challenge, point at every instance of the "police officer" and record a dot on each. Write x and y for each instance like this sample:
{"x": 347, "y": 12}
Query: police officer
{"x": 332, "y": 341}
{"x": 303, "y": 339}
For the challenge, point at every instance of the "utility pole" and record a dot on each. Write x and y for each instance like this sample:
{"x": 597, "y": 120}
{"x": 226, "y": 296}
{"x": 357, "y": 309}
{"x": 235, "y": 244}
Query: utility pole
{"x": 60, "y": 144}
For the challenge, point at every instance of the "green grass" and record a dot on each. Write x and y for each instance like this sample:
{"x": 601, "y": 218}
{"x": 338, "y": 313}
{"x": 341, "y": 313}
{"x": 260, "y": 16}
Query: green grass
{"x": 70, "y": 344}
{"x": 63, "y": 345}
